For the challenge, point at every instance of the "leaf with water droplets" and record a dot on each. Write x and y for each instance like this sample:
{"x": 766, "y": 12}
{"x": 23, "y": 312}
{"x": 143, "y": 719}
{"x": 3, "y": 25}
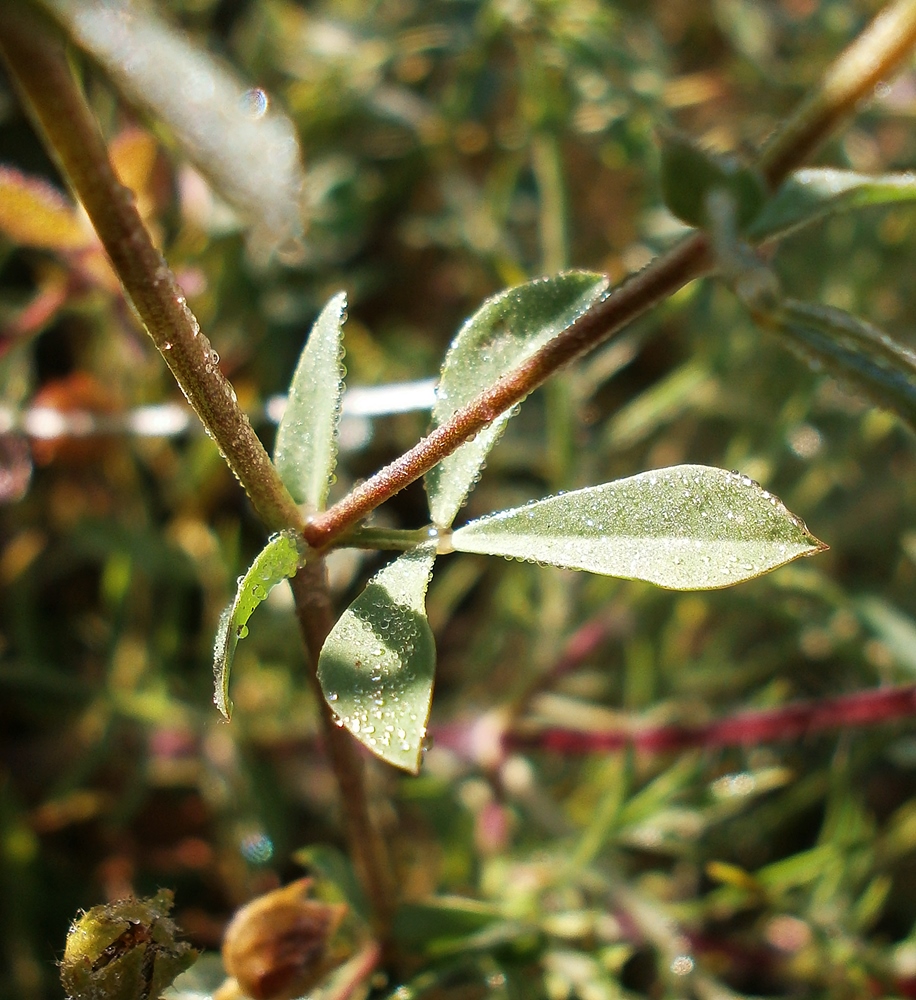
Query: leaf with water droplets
{"x": 306, "y": 450}
{"x": 377, "y": 666}
{"x": 503, "y": 333}
{"x": 281, "y": 557}
{"x": 686, "y": 528}
{"x": 810, "y": 195}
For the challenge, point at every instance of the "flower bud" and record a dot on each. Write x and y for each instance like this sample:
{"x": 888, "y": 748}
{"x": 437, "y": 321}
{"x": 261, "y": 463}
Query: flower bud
{"x": 127, "y": 950}
{"x": 281, "y": 944}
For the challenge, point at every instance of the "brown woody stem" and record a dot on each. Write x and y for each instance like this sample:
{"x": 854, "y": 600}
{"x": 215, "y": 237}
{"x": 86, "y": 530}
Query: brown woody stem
{"x": 35, "y": 56}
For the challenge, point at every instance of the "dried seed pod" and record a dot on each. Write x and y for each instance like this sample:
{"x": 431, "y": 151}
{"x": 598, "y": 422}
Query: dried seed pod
{"x": 281, "y": 944}
{"x": 127, "y": 950}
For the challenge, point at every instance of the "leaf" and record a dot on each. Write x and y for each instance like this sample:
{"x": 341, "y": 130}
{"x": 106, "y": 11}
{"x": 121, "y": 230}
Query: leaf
{"x": 810, "y": 195}
{"x": 686, "y": 528}
{"x": 446, "y": 924}
{"x": 851, "y": 350}
{"x": 377, "y": 666}
{"x": 251, "y": 157}
{"x": 689, "y": 173}
{"x": 306, "y": 450}
{"x": 35, "y": 214}
{"x": 504, "y": 332}
{"x": 280, "y": 558}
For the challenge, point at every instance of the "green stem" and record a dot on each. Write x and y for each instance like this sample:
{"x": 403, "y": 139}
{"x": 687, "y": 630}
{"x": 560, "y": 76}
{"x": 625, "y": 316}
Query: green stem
{"x": 386, "y": 539}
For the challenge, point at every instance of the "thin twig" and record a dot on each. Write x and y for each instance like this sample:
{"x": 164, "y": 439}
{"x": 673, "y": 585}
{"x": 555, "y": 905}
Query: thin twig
{"x": 874, "y": 56}
{"x": 862, "y": 708}
{"x": 34, "y": 53}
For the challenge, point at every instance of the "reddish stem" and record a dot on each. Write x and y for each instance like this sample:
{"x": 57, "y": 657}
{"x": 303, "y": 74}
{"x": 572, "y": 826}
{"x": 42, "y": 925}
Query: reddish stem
{"x": 862, "y": 708}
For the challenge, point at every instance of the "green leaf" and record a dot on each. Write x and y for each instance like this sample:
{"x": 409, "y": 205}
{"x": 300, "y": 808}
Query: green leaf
{"x": 851, "y": 350}
{"x": 306, "y": 450}
{"x": 280, "y": 558}
{"x": 689, "y": 173}
{"x": 446, "y": 924}
{"x": 810, "y": 195}
{"x": 504, "y": 332}
{"x": 686, "y": 528}
{"x": 377, "y": 666}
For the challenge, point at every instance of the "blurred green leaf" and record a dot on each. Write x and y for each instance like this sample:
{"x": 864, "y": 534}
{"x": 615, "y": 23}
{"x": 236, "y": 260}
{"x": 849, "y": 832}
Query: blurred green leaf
{"x": 306, "y": 450}
{"x": 443, "y": 925}
{"x": 685, "y": 528}
{"x": 808, "y": 196}
{"x": 279, "y": 559}
{"x": 690, "y": 173}
{"x": 504, "y": 332}
{"x": 377, "y": 666}
{"x": 851, "y": 350}
{"x": 34, "y": 214}
{"x": 335, "y": 873}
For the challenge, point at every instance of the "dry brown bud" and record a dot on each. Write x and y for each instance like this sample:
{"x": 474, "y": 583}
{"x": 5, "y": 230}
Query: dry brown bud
{"x": 281, "y": 944}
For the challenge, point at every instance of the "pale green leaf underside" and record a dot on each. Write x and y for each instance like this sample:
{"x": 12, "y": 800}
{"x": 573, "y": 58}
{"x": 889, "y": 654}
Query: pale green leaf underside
{"x": 810, "y": 195}
{"x": 503, "y": 333}
{"x": 377, "y": 666}
{"x": 306, "y": 450}
{"x": 686, "y": 528}
{"x": 279, "y": 559}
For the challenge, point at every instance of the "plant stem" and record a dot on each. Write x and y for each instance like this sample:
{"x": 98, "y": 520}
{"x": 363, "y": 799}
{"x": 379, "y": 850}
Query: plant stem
{"x": 34, "y": 54}
{"x": 874, "y": 56}
{"x": 862, "y": 708}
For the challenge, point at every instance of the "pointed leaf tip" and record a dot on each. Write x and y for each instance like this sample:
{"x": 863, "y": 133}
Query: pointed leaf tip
{"x": 279, "y": 559}
{"x": 306, "y": 450}
{"x": 377, "y": 666}
{"x": 685, "y": 528}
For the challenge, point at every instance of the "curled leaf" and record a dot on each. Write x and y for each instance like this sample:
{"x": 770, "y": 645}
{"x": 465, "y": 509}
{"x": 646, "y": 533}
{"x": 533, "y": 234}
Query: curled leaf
{"x": 689, "y": 527}
{"x": 377, "y": 666}
{"x": 279, "y": 559}
{"x": 306, "y": 450}
{"x": 504, "y": 332}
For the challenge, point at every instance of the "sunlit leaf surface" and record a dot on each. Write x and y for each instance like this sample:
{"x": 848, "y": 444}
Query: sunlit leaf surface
{"x": 809, "y": 195}
{"x": 279, "y": 559}
{"x": 686, "y": 528}
{"x": 376, "y": 668}
{"x": 306, "y": 448}
{"x": 505, "y": 331}
{"x": 852, "y": 350}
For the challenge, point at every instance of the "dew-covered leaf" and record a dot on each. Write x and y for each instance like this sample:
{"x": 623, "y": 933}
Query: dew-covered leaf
{"x": 689, "y": 173}
{"x": 248, "y": 151}
{"x": 504, "y": 332}
{"x": 377, "y": 666}
{"x": 853, "y": 351}
{"x": 279, "y": 559}
{"x": 306, "y": 450}
{"x": 35, "y": 214}
{"x": 809, "y": 195}
{"x": 685, "y": 528}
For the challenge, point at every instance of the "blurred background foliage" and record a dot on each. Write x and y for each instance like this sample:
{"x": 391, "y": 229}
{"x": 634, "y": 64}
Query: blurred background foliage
{"x": 451, "y": 148}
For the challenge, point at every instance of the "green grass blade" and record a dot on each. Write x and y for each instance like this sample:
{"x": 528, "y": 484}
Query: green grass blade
{"x": 685, "y": 528}
{"x": 503, "y": 333}
{"x": 306, "y": 450}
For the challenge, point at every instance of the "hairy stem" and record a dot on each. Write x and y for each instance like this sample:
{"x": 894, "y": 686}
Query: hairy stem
{"x": 874, "y": 56}
{"x": 38, "y": 66}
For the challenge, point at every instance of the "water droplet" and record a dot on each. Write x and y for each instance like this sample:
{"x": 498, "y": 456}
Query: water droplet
{"x": 333, "y": 696}
{"x": 241, "y": 631}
